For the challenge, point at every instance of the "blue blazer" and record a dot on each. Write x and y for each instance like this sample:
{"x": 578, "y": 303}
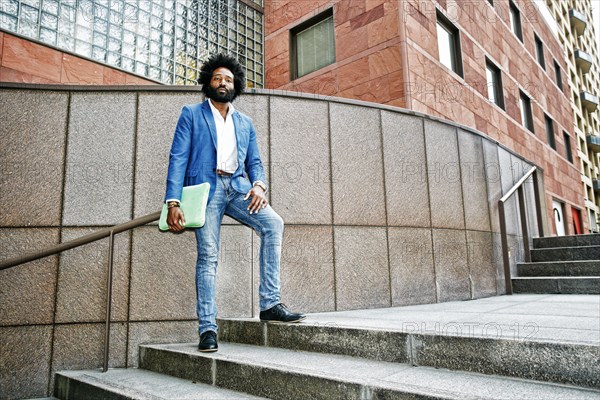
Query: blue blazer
{"x": 193, "y": 157}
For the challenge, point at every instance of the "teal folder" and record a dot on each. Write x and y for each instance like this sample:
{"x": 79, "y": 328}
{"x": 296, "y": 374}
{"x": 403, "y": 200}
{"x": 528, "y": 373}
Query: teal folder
{"x": 193, "y": 204}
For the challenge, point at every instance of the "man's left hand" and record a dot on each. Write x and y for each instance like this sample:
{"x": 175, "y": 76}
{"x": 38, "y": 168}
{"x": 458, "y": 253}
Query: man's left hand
{"x": 258, "y": 200}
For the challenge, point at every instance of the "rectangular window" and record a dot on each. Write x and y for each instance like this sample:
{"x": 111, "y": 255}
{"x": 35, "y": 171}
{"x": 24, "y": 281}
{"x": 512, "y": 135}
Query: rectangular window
{"x": 526, "y": 114}
{"x": 491, "y": 2}
{"x": 448, "y": 38}
{"x": 558, "y": 75}
{"x": 550, "y": 132}
{"x": 494, "y": 84}
{"x": 568, "y": 151}
{"x": 313, "y": 44}
{"x": 515, "y": 21}
{"x": 539, "y": 51}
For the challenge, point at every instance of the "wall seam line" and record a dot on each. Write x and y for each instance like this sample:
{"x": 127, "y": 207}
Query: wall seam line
{"x": 385, "y": 208}
{"x": 333, "y": 253}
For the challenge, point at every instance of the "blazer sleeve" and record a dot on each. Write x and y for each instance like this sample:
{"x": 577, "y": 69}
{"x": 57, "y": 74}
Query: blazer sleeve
{"x": 253, "y": 164}
{"x": 180, "y": 152}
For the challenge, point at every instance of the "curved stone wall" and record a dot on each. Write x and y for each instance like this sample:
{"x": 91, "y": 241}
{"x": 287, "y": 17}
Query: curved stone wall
{"x": 383, "y": 207}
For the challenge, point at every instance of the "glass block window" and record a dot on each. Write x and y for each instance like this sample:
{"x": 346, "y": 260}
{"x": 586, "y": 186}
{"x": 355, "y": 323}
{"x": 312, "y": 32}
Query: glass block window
{"x": 164, "y": 40}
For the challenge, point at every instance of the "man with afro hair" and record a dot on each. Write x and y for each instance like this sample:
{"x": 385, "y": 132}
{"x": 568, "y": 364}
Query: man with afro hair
{"x": 214, "y": 143}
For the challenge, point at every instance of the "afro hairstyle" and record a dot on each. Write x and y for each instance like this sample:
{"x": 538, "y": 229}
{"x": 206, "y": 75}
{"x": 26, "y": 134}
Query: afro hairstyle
{"x": 223, "y": 61}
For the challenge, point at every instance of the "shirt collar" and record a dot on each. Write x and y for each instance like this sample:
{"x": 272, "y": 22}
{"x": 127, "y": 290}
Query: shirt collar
{"x": 230, "y": 111}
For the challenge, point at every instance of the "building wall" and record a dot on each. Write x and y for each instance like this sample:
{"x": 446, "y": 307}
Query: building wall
{"x": 24, "y": 61}
{"x": 73, "y": 161}
{"x": 585, "y": 122}
{"x": 387, "y": 52}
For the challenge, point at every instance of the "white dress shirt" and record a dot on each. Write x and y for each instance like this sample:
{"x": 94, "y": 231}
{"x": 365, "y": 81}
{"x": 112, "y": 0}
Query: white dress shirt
{"x": 226, "y": 143}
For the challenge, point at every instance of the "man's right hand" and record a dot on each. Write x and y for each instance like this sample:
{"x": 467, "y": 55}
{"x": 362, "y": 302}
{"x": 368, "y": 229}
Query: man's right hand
{"x": 175, "y": 219}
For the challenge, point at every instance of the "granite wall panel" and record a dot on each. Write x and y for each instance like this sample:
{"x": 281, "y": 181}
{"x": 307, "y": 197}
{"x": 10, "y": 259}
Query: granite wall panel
{"x": 405, "y": 170}
{"x": 82, "y": 276}
{"x": 163, "y": 273}
{"x": 27, "y": 291}
{"x": 33, "y": 131}
{"x": 475, "y": 197}
{"x": 300, "y": 164}
{"x": 25, "y": 354}
{"x": 100, "y": 150}
{"x": 307, "y": 272}
{"x": 494, "y": 183}
{"x": 356, "y": 156}
{"x": 451, "y": 265}
{"x": 480, "y": 255}
{"x": 443, "y": 171}
{"x": 361, "y": 266}
{"x": 411, "y": 266}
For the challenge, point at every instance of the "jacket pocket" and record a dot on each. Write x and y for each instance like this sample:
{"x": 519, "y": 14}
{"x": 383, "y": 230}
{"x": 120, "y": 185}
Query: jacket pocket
{"x": 190, "y": 177}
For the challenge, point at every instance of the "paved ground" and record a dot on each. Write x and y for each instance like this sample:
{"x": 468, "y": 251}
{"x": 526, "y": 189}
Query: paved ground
{"x": 549, "y": 318}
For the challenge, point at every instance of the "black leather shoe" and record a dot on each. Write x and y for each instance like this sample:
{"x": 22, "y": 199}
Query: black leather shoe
{"x": 280, "y": 314}
{"x": 208, "y": 342}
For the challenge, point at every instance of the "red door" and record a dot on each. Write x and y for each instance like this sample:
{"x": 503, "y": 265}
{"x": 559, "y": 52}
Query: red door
{"x": 577, "y": 226}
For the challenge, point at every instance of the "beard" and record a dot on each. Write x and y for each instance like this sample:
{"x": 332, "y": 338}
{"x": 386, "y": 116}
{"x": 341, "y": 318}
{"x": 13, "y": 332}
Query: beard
{"x": 214, "y": 94}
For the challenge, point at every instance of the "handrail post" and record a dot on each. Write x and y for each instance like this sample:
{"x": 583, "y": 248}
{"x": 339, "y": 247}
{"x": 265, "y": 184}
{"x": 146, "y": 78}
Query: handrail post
{"x": 504, "y": 241}
{"x": 109, "y": 279}
{"x": 524, "y": 229}
{"x": 538, "y": 203}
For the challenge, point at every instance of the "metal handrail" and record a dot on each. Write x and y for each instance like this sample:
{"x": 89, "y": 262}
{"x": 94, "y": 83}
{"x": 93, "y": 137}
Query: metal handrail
{"x": 101, "y": 234}
{"x": 518, "y": 187}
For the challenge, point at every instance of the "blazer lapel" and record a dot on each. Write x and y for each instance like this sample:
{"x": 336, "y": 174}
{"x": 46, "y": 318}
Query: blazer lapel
{"x": 210, "y": 121}
{"x": 238, "y": 134}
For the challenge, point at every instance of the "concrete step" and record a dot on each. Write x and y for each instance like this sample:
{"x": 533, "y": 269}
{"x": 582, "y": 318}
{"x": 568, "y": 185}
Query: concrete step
{"x": 567, "y": 241}
{"x": 559, "y": 268}
{"x": 288, "y": 374}
{"x": 591, "y": 253}
{"x": 135, "y": 384}
{"x": 486, "y": 348}
{"x": 557, "y": 284}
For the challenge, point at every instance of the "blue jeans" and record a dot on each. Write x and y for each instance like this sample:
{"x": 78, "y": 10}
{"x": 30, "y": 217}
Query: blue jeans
{"x": 269, "y": 226}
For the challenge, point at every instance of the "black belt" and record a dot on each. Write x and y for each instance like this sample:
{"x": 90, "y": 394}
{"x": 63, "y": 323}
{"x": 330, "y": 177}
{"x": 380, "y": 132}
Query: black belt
{"x": 223, "y": 173}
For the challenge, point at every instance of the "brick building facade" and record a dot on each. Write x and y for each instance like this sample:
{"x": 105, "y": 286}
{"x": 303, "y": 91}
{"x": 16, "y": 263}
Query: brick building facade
{"x": 389, "y": 52}
{"x": 25, "y": 61}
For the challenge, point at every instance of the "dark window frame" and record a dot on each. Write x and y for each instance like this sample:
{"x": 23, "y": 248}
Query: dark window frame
{"x": 558, "y": 75}
{"x": 528, "y": 121}
{"x": 293, "y": 44}
{"x": 568, "y": 147}
{"x": 539, "y": 51}
{"x": 498, "y": 87}
{"x": 515, "y": 26}
{"x": 454, "y": 32}
{"x": 550, "y": 135}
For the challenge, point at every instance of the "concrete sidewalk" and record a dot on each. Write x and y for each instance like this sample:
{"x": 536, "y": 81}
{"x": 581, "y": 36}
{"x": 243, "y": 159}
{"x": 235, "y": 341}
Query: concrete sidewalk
{"x": 532, "y": 317}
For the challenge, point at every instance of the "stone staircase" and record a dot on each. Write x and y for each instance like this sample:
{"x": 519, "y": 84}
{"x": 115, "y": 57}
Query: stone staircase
{"x": 565, "y": 264}
{"x": 335, "y": 360}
